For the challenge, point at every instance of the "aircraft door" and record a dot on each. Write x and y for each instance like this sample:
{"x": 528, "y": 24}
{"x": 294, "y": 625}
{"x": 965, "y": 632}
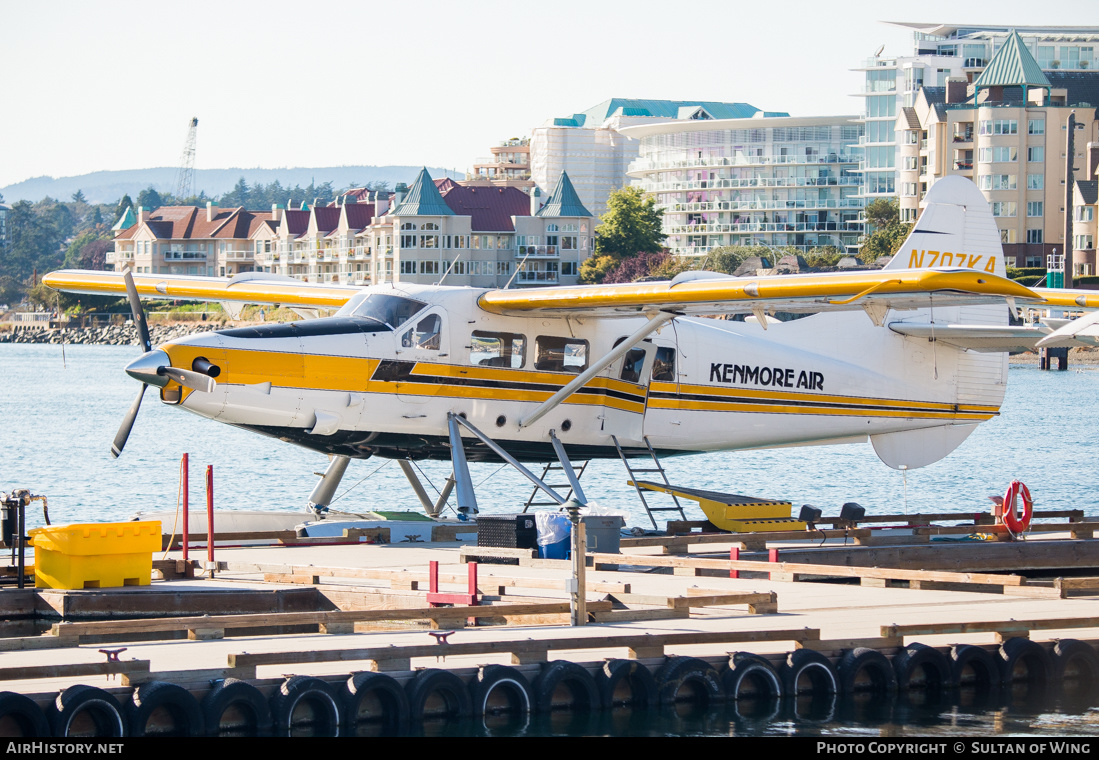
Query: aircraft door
{"x": 422, "y": 344}
{"x": 626, "y": 392}
{"x": 663, "y": 413}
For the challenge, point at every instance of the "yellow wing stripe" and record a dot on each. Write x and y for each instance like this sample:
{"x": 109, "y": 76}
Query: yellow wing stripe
{"x": 828, "y": 287}
{"x": 202, "y": 288}
{"x": 1081, "y": 299}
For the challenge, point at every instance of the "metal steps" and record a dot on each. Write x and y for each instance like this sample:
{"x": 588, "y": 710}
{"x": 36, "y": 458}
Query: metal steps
{"x": 565, "y": 488}
{"x": 634, "y": 479}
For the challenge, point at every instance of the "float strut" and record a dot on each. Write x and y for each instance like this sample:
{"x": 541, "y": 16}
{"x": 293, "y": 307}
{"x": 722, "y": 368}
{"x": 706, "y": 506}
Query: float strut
{"x": 467, "y": 499}
{"x": 329, "y": 482}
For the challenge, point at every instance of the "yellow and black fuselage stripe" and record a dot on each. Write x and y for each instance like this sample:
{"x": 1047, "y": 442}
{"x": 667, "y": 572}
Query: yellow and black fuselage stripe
{"x": 436, "y": 380}
{"x": 708, "y": 398}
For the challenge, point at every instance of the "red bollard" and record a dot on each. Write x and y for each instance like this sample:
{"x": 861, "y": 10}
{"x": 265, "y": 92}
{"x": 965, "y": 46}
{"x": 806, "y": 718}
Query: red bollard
{"x": 772, "y": 556}
{"x": 210, "y": 519}
{"x": 734, "y": 555}
{"x": 186, "y": 503}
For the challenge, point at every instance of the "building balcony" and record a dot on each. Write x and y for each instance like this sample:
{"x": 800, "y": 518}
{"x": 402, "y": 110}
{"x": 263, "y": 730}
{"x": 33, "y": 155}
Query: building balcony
{"x": 236, "y": 254}
{"x": 963, "y": 138}
{"x": 963, "y": 166}
{"x": 536, "y": 278}
{"x": 763, "y": 205}
{"x": 712, "y": 229}
{"x": 721, "y": 184}
{"x": 537, "y": 252}
{"x": 641, "y": 165}
{"x": 184, "y": 255}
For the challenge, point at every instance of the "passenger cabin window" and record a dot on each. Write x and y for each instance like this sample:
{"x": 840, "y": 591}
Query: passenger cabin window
{"x": 424, "y": 335}
{"x": 632, "y": 363}
{"x": 389, "y": 311}
{"x": 553, "y": 354}
{"x": 664, "y": 365}
{"x": 493, "y": 349}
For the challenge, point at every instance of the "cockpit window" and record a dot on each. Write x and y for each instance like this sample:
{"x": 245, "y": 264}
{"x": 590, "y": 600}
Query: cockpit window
{"x": 391, "y": 311}
{"x": 425, "y": 335}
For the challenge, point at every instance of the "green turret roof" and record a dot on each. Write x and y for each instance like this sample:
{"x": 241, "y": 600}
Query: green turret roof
{"x": 126, "y": 221}
{"x": 1013, "y": 65}
{"x": 423, "y": 199}
{"x": 563, "y": 201}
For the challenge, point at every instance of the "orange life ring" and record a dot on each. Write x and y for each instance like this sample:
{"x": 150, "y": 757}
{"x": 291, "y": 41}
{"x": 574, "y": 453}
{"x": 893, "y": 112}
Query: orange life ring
{"x": 1021, "y": 523}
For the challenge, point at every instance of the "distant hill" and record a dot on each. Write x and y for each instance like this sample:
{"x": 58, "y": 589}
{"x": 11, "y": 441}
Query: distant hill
{"x": 109, "y": 186}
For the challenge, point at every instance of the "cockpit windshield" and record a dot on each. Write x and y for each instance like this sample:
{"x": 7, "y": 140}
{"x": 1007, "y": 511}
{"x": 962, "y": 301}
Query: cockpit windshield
{"x": 391, "y": 311}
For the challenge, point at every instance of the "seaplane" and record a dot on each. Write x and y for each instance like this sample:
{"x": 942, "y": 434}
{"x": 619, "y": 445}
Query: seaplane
{"x": 911, "y": 358}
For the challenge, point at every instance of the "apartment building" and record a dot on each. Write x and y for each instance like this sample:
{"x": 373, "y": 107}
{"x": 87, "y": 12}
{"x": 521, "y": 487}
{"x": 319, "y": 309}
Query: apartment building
{"x": 596, "y": 154}
{"x": 480, "y": 235}
{"x": 508, "y": 166}
{"x": 4, "y": 211}
{"x": 941, "y": 52}
{"x": 774, "y": 181}
{"x": 1006, "y": 131}
{"x": 213, "y": 242}
{"x": 1085, "y": 206}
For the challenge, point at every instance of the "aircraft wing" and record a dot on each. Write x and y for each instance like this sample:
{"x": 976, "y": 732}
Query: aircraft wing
{"x": 251, "y": 287}
{"x": 1069, "y": 299}
{"x": 875, "y": 291}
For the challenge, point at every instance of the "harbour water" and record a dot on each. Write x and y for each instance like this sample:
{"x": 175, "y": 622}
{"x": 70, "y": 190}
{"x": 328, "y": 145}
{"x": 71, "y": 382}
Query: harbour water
{"x": 58, "y": 421}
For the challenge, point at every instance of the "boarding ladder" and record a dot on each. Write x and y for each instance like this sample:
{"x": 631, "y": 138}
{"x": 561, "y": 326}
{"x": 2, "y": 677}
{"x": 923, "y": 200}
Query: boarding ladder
{"x": 634, "y": 480}
{"x": 538, "y": 492}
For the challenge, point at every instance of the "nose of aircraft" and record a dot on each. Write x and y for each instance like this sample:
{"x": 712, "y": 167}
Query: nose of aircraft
{"x": 146, "y": 368}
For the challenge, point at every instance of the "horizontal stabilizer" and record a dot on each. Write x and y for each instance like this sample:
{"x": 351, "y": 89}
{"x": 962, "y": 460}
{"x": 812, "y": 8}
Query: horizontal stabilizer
{"x": 1082, "y": 331}
{"x": 985, "y": 338}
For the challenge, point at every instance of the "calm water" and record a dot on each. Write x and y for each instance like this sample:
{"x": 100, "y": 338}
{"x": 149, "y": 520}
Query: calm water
{"x": 58, "y": 422}
{"x": 57, "y": 425}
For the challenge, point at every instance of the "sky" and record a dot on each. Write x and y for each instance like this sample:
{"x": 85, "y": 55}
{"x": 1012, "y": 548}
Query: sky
{"x": 105, "y": 85}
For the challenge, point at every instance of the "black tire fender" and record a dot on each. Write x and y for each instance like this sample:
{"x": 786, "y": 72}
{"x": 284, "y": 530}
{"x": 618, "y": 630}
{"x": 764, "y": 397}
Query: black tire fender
{"x": 433, "y": 680}
{"x": 680, "y": 676}
{"x": 100, "y": 706}
{"x": 808, "y": 672}
{"x": 570, "y": 676}
{"x": 921, "y": 666}
{"x": 866, "y": 669}
{"x": 493, "y": 681}
{"x": 298, "y": 689}
{"x": 749, "y": 675}
{"x": 977, "y": 661}
{"x": 25, "y": 713}
{"x": 1075, "y": 659}
{"x": 381, "y": 693}
{"x": 1019, "y": 651}
{"x": 175, "y": 700}
{"x": 617, "y": 678}
{"x": 243, "y": 699}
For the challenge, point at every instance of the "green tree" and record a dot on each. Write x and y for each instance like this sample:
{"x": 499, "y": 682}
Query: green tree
{"x": 78, "y": 197}
{"x": 631, "y": 225}
{"x": 886, "y": 233}
{"x": 124, "y": 203}
{"x": 149, "y": 199}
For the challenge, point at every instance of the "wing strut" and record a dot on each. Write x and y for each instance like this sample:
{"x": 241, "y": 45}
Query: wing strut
{"x": 578, "y": 382}
{"x": 461, "y": 469}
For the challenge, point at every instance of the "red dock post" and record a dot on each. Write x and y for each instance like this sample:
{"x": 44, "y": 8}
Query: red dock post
{"x": 734, "y": 555}
{"x": 210, "y": 519}
{"x": 186, "y": 503}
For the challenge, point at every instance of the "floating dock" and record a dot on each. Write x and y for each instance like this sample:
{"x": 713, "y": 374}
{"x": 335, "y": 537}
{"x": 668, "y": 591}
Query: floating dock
{"x": 339, "y": 636}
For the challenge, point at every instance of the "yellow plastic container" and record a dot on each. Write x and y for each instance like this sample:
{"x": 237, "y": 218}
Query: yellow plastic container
{"x": 95, "y": 555}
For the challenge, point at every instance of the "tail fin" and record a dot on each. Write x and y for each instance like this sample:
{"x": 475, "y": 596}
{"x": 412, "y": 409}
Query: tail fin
{"x": 956, "y": 229}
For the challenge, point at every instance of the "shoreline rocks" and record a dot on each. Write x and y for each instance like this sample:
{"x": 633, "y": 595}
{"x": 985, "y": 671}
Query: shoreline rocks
{"x": 108, "y": 335}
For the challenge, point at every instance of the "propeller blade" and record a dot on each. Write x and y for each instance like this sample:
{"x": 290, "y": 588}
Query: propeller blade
{"x": 127, "y": 423}
{"x": 138, "y": 312}
{"x": 194, "y": 380}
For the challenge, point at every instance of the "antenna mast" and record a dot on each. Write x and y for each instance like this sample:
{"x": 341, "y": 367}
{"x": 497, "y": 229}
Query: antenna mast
{"x": 185, "y": 179}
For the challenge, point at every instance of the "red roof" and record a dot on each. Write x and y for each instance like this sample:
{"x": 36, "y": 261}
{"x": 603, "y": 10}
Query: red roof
{"x": 328, "y": 217}
{"x": 491, "y": 208}
{"x": 359, "y": 215}
{"x": 189, "y": 222}
{"x": 297, "y": 222}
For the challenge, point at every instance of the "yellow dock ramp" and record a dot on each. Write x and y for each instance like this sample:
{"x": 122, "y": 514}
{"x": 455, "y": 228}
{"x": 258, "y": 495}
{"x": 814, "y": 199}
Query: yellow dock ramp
{"x": 734, "y": 512}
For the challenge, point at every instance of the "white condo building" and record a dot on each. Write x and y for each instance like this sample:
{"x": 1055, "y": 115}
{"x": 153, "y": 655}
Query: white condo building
{"x": 777, "y": 181}
{"x": 941, "y": 52}
{"x": 596, "y": 154}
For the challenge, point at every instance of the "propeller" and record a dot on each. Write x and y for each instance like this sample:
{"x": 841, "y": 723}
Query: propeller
{"x": 154, "y": 367}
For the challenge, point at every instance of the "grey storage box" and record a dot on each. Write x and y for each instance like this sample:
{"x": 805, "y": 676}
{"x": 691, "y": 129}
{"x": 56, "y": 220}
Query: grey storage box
{"x": 603, "y": 532}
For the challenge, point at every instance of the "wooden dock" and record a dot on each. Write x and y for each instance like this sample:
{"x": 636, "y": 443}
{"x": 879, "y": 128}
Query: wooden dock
{"x": 331, "y": 610}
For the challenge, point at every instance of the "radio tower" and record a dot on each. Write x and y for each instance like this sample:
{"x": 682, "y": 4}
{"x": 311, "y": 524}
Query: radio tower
{"x": 185, "y": 179}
